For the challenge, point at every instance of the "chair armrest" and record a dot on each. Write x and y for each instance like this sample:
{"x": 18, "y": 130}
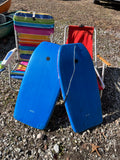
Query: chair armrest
{"x": 103, "y": 60}
{"x": 9, "y": 57}
{"x": 1, "y": 67}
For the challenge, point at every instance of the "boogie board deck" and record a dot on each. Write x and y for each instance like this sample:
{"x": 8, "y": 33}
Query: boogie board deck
{"x": 39, "y": 88}
{"x": 83, "y": 103}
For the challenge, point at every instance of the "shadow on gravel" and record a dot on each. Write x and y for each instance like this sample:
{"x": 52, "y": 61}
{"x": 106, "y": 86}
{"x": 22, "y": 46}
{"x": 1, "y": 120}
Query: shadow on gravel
{"x": 111, "y": 95}
{"x": 115, "y": 6}
{"x": 110, "y": 103}
{"x": 59, "y": 117}
{"x": 6, "y": 44}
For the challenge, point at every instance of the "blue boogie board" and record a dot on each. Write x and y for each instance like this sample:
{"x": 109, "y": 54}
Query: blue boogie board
{"x": 39, "y": 88}
{"x": 78, "y": 79}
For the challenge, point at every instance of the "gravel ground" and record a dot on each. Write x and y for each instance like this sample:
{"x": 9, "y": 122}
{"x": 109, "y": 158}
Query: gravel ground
{"x": 58, "y": 141}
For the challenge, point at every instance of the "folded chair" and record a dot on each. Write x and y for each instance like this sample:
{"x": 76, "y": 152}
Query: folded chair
{"x": 87, "y": 36}
{"x": 30, "y": 30}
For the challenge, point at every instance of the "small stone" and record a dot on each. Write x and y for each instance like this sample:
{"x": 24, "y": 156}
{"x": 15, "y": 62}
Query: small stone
{"x": 74, "y": 148}
{"x": 56, "y": 148}
{"x": 45, "y": 146}
{"x": 71, "y": 134}
{"x": 18, "y": 150}
{"x": 24, "y": 141}
{"x": 39, "y": 136}
{"x": 19, "y": 138}
{"x": 117, "y": 122}
{"x": 107, "y": 148}
{"x": 88, "y": 131}
{"x": 80, "y": 151}
{"x": 102, "y": 130}
{"x": 34, "y": 136}
{"x": 75, "y": 141}
{"x": 91, "y": 140}
{"x": 68, "y": 158}
{"x": 26, "y": 130}
{"x": 2, "y": 124}
{"x": 101, "y": 151}
{"x": 113, "y": 156}
{"x": 33, "y": 152}
{"x": 63, "y": 139}
{"x": 87, "y": 148}
{"x": 39, "y": 150}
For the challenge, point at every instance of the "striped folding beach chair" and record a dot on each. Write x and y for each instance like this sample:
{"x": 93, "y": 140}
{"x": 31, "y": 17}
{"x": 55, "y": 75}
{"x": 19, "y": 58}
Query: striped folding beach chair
{"x": 30, "y": 30}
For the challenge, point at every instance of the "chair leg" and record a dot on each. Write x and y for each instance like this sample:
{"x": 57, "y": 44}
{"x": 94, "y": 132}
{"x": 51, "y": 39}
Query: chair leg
{"x": 9, "y": 70}
{"x": 10, "y": 83}
{"x": 103, "y": 71}
{"x": 101, "y": 92}
{"x": 98, "y": 75}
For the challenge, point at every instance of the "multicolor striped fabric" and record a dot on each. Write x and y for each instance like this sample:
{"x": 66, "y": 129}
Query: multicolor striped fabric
{"x": 31, "y": 29}
{"x": 20, "y": 70}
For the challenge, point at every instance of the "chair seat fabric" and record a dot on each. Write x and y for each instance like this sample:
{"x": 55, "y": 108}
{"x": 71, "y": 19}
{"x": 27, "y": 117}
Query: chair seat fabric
{"x": 82, "y": 35}
{"x": 20, "y": 70}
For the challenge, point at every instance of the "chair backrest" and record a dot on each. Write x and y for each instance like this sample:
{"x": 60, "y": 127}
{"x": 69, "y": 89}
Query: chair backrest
{"x": 84, "y": 35}
{"x": 81, "y": 34}
{"x": 30, "y": 30}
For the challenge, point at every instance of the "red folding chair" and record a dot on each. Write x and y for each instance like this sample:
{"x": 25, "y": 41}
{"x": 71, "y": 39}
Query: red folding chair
{"x": 87, "y": 36}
